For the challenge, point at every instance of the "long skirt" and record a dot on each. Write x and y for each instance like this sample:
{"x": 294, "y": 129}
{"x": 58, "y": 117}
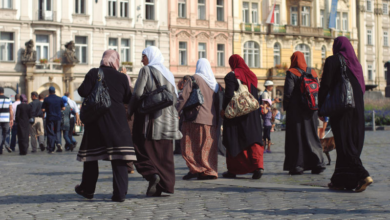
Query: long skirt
{"x": 247, "y": 161}
{"x": 199, "y": 147}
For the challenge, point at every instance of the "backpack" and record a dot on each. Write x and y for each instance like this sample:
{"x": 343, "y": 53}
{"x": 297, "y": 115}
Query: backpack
{"x": 309, "y": 89}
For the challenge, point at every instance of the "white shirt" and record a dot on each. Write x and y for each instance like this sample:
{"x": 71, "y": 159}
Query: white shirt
{"x": 5, "y": 103}
{"x": 73, "y": 106}
{"x": 14, "y": 106}
{"x": 266, "y": 95}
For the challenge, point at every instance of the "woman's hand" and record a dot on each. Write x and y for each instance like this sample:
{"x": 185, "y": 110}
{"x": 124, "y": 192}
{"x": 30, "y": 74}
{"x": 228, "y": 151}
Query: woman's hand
{"x": 124, "y": 70}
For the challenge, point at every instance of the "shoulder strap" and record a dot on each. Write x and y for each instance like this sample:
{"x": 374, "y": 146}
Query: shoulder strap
{"x": 100, "y": 74}
{"x": 300, "y": 71}
{"x": 154, "y": 77}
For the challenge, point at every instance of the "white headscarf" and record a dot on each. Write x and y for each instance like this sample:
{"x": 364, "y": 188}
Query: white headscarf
{"x": 156, "y": 60}
{"x": 203, "y": 69}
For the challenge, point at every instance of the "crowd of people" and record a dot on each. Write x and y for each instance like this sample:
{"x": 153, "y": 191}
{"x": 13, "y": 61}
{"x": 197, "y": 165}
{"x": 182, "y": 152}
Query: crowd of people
{"x": 126, "y": 136}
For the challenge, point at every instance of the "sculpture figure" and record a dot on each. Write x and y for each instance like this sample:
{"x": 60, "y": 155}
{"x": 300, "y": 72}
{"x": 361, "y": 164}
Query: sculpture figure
{"x": 29, "y": 54}
{"x": 69, "y": 54}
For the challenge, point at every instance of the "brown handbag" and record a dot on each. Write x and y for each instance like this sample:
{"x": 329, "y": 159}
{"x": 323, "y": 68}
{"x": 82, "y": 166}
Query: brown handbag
{"x": 242, "y": 102}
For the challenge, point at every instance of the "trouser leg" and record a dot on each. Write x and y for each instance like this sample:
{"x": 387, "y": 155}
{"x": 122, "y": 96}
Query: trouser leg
{"x": 51, "y": 135}
{"x": 14, "y": 132}
{"x": 120, "y": 178}
{"x": 71, "y": 128}
{"x": 33, "y": 134}
{"x": 6, "y": 133}
{"x": 66, "y": 138}
{"x": 2, "y": 136}
{"x": 90, "y": 176}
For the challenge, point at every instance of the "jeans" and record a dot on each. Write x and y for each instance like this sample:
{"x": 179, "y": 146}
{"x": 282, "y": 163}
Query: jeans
{"x": 68, "y": 141}
{"x": 52, "y": 128}
{"x": 14, "y": 132}
{"x": 4, "y": 135}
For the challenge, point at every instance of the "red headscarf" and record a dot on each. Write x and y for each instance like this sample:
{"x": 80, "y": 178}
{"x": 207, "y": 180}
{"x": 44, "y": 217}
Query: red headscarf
{"x": 242, "y": 71}
{"x": 298, "y": 60}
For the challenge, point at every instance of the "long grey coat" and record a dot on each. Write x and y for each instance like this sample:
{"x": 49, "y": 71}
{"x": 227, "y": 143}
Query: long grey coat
{"x": 165, "y": 121}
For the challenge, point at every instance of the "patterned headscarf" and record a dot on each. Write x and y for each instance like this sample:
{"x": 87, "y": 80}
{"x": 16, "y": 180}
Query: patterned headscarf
{"x": 242, "y": 71}
{"x": 110, "y": 59}
{"x": 298, "y": 61}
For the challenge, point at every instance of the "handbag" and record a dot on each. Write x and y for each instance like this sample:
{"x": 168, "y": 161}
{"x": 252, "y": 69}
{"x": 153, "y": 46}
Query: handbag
{"x": 341, "y": 97}
{"x": 157, "y": 99}
{"x": 242, "y": 102}
{"x": 196, "y": 98}
{"x": 98, "y": 101}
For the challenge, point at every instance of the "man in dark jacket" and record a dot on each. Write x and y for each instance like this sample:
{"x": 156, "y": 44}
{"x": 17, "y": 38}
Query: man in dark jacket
{"x": 36, "y": 129}
{"x": 52, "y": 106}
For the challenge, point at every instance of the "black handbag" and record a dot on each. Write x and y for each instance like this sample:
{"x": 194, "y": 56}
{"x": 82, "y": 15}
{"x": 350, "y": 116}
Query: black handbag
{"x": 157, "y": 99}
{"x": 97, "y": 103}
{"x": 340, "y": 98}
{"x": 196, "y": 98}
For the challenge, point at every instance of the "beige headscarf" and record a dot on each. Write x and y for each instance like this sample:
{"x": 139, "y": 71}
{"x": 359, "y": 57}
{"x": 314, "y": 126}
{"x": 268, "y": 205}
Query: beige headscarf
{"x": 111, "y": 59}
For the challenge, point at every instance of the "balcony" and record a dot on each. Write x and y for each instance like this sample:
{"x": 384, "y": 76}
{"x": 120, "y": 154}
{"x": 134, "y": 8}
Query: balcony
{"x": 344, "y": 33}
{"x": 43, "y": 15}
{"x": 248, "y": 27}
{"x": 299, "y": 31}
{"x": 48, "y": 66}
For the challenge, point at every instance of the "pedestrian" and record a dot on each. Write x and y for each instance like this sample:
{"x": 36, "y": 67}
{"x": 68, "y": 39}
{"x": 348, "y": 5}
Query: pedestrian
{"x": 266, "y": 111}
{"x": 23, "y": 116}
{"x": 36, "y": 129}
{"x": 6, "y": 121}
{"x": 153, "y": 133}
{"x": 302, "y": 147}
{"x": 242, "y": 136}
{"x": 52, "y": 106}
{"x": 200, "y": 141}
{"x": 276, "y": 117}
{"x": 14, "y": 130}
{"x": 108, "y": 137}
{"x": 349, "y": 127}
{"x": 65, "y": 123}
{"x": 267, "y": 94}
{"x": 74, "y": 119}
{"x": 181, "y": 118}
{"x": 41, "y": 99}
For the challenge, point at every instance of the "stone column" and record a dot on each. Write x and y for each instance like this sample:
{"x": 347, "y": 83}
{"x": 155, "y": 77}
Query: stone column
{"x": 68, "y": 79}
{"x": 30, "y": 66}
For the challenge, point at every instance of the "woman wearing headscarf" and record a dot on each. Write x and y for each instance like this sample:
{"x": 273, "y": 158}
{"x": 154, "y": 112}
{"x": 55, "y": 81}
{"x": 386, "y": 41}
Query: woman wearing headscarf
{"x": 107, "y": 138}
{"x": 242, "y": 135}
{"x": 302, "y": 148}
{"x": 200, "y": 142}
{"x": 348, "y": 127}
{"x": 66, "y": 124}
{"x": 23, "y": 115}
{"x": 153, "y": 133}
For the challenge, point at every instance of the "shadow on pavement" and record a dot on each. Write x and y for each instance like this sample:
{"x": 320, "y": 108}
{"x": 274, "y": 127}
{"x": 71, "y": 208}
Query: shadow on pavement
{"x": 315, "y": 211}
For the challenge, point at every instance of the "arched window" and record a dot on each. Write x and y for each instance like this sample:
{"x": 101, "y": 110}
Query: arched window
{"x": 276, "y": 54}
{"x": 323, "y": 53}
{"x": 252, "y": 54}
{"x": 306, "y": 51}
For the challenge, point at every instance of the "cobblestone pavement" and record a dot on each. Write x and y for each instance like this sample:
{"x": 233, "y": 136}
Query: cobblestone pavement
{"x": 41, "y": 186}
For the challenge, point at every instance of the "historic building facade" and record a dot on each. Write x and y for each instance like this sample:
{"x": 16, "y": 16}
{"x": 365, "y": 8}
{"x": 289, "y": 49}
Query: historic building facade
{"x": 200, "y": 29}
{"x": 127, "y": 26}
{"x": 300, "y": 25}
{"x": 373, "y": 20}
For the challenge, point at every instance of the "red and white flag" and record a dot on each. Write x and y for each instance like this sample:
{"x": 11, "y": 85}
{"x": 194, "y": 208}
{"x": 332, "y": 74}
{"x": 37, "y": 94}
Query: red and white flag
{"x": 271, "y": 16}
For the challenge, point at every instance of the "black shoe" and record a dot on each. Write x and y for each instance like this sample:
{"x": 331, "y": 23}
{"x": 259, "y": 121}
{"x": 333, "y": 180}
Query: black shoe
{"x": 72, "y": 147}
{"x": 152, "y": 188}
{"x": 318, "y": 170}
{"x": 257, "y": 174}
{"x": 59, "y": 148}
{"x": 228, "y": 175}
{"x": 82, "y": 193}
{"x": 34, "y": 151}
{"x": 296, "y": 171}
{"x": 190, "y": 176}
{"x": 42, "y": 146}
{"x": 8, "y": 149}
{"x": 206, "y": 177}
{"x": 117, "y": 199}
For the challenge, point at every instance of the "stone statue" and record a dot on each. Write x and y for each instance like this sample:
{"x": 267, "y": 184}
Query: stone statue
{"x": 29, "y": 54}
{"x": 69, "y": 54}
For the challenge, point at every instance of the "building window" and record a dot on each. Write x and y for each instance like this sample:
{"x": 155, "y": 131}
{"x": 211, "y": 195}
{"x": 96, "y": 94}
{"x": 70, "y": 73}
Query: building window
{"x": 323, "y": 53}
{"x": 245, "y": 12}
{"x": 370, "y": 73}
{"x": 322, "y": 19}
{"x": 81, "y": 44}
{"x": 345, "y": 21}
{"x": 338, "y": 21}
{"x": 6, "y": 4}
{"x": 113, "y": 44}
{"x": 220, "y": 54}
{"x": 202, "y": 9}
{"x": 369, "y": 5}
{"x": 112, "y": 8}
{"x": 182, "y": 53}
{"x": 149, "y": 43}
{"x": 277, "y": 14}
{"x": 294, "y": 16}
{"x": 124, "y": 8}
{"x": 369, "y": 37}
{"x": 182, "y": 8}
{"x": 385, "y": 38}
{"x": 125, "y": 50}
{"x": 252, "y": 54}
{"x": 42, "y": 47}
{"x": 149, "y": 9}
{"x": 7, "y": 43}
{"x": 255, "y": 13}
{"x": 305, "y": 16}
{"x": 306, "y": 52}
{"x": 202, "y": 50}
{"x": 385, "y": 8}
{"x": 80, "y": 6}
{"x": 276, "y": 54}
{"x": 220, "y": 14}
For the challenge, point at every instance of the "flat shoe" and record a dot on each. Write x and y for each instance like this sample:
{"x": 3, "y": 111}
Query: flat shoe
{"x": 257, "y": 174}
{"x": 228, "y": 175}
{"x": 117, "y": 199}
{"x": 362, "y": 185}
{"x": 82, "y": 193}
{"x": 190, "y": 175}
{"x": 152, "y": 188}
{"x": 206, "y": 177}
{"x": 8, "y": 149}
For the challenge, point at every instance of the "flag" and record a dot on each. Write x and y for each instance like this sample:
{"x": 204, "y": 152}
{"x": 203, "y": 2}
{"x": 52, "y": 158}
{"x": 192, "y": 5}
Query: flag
{"x": 333, "y": 14}
{"x": 271, "y": 16}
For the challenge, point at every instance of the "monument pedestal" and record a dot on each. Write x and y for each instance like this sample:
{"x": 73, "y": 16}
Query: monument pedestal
{"x": 68, "y": 79}
{"x": 30, "y": 66}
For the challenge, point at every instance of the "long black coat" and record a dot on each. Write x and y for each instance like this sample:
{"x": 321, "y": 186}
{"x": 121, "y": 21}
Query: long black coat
{"x": 302, "y": 146}
{"x": 244, "y": 131}
{"x": 109, "y": 137}
{"x": 23, "y": 115}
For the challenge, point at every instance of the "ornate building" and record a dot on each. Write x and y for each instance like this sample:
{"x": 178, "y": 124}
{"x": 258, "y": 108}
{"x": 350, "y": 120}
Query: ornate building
{"x": 200, "y": 29}
{"x": 69, "y": 38}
